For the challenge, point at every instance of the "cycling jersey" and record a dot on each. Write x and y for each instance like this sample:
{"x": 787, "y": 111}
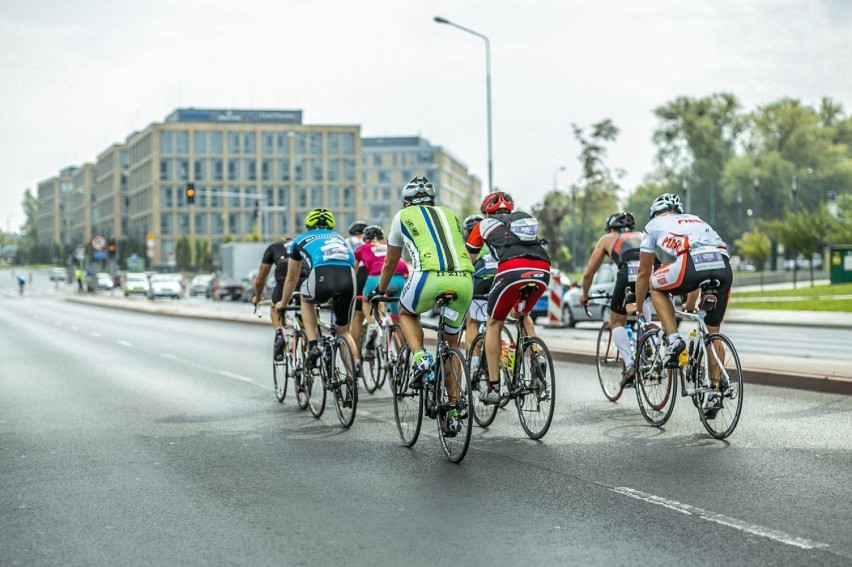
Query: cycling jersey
{"x": 433, "y": 238}
{"x": 626, "y": 248}
{"x": 372, "y": 256}
{"x": 277, "y": 254}
{"x": 669, "y": 236}
{"x": 322, "y": 247}
{"x": 508, "y": 236}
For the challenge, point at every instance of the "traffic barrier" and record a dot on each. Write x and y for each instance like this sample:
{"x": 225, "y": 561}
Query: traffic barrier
{"x": 554, "y": 302}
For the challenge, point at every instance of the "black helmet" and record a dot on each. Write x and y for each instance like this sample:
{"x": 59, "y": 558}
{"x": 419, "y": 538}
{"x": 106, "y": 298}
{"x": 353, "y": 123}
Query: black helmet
{"x": 418, "y": 191}
{"x": 471, "y": 221}
{"x": 621, "y": 221}
{"x": 357, "y": 228}
{"x": 373, "y": 232}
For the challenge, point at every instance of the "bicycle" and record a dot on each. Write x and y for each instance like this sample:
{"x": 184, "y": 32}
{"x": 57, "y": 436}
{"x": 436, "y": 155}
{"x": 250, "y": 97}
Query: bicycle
{"x": 476, "y": 359}
{"x": 532, "y": 385}
{"x": 292, "y": 362}
{"x": 335, "y": 372}
{"x": 451, "y": 412}
{"x": 379, "y": 351}
{"x": 608, "y": 359}
{"x": 710, "y": 364}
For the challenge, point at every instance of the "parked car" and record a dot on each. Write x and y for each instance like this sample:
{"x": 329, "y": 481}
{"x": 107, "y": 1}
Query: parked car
{"x": 135, "y": 282}
{"x": 60, "y": 274}
{"x": 164, "y": 285}
{"x": 200, "y": 284}
{"x": 222, "y": 287}
{"x": 104, "y": 280}
{"x": 248, "y": 285}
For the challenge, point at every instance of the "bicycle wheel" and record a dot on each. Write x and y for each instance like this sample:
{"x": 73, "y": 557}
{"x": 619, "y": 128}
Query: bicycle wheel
{"x": 483, "y": 414}
{"x": 534, "y": 387}
{"x": 316, "y": 380}
{"x": 391, "y": 338}
{"x": 656, "y": 385}
{"x": 453, "y": 416}
{"x": 506, "y": 335}
{"x": 722, "y": 355}
{"x": 299, "y": 353}
{"x": 344, "y": 381}
{"x": 370, "y": 361}
{"x": 609, "y": 363}
{"x": 280, "y": 372}
{"x": 407, "y": 403}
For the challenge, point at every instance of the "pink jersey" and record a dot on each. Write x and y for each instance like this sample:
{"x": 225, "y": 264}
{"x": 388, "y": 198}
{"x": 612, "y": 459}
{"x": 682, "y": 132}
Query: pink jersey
{"x": 372, "y": 255}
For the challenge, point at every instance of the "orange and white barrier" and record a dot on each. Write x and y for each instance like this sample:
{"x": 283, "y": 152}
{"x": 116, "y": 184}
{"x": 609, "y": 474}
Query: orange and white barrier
{"x": 555, "y": 290}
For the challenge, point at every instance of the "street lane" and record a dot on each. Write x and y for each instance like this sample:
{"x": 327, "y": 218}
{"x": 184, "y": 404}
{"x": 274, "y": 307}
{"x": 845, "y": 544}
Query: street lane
{"x": 137, "y": 439}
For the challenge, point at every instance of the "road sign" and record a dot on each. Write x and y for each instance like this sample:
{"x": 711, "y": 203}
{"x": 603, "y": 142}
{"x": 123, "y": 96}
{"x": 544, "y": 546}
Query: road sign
{"x": 98, "y": 242}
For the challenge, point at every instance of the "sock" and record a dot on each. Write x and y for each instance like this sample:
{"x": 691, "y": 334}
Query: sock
{"x": 418, "y": 356}
{"x": 279, "y": 331}
{"x": 673, "y": 338}
{"x": 622, "y": 343}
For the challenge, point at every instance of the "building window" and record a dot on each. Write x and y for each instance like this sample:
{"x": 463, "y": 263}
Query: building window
{"x": 284, "y": 143}
{"x": 200, "y": 224}
{"x": 424, "y": 158}
{"x": 235, "y": 196}
{"x": 166, "y": 144}
{"x": 302, "y": 197}
{"x": 333, "y": 143}
{"x": 166, "y": 200}
{"x": 234, "y": 223}
{"x": 233, "y": 142}
{"x": 251, "y": 170}
{"x": 384, "y": 176}
{"x": 233, "y": 170}
{"x": 377, "y": 159}
{"x": 218, "y": 221}
{"x": 217, "y": 169}
{"x": 299, "y": 170}
{"x": 333, "y": 170}
{"x": 316, "y": 143}
{"x": 284, "y": 170}
{"x": 183, "y": 169}
{"x": 283, "y": 196}
{"x": 249, "y": 143}
{"x": 301, "y": 143}
{"x": 266, "y": 170}
{"x": 215, "y": 139}
{"x": 349, "y": 144}
{"x": 268, "y": 143}
{"x": 349, "y": 196}
{"x": 181, "y": 142}
{"x": 183, "y": 223}
{"x": 349, "y": 170}
{"x": 199, "y": 144}
{"x": 165, "y": 224}
{"x": 316, "y": 196}
{"x": 199, "y": 170}
{"x": 165, "y": 170}
{"x": 316, "y": 170}
{"x": 333, "y": 198}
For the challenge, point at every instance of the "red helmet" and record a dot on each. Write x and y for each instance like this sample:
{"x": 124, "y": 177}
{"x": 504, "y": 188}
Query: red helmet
{"x": 496, "y": 201}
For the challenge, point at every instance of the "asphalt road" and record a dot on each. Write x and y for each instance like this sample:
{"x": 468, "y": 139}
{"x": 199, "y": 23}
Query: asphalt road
{"x": 135, "y": 439}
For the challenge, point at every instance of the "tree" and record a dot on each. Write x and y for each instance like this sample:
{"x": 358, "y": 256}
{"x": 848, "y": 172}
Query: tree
{"x": 203, "y": 256}
{"x": 804, "y": 233}
{"x": 29, "y": 231}
{"x": 756, "y": 247}
{"x": 552, "y": 215}
{"x": 183, "y": 252}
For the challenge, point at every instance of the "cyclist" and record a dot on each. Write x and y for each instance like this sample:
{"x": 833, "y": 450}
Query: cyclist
{"x": 372, "y": 254}
{"x": 484, "y": 269}
{"x": 277, "y": 254}
{"x": 690, "y": 252}
{"x": 522, "y": 261}
{"x": 433, "y": 237}
{"x": 21, "y": 282}
{"x": 355, "y": 240}
{"x": 331, "y": 273}
{"x": 621, "y": 244}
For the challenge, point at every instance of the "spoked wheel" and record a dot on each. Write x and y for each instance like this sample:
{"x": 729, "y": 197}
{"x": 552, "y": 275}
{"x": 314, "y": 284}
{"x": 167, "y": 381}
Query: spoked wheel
{"x": 483, "y": 414}
{"x": 280, "y": 371}
{"x": 391, "y": 338}
{"x": 301, "y": 355}
{"x": 315, "y": 381}
{"x": 723, "y": 366}
{"x": 505, "y": 373}
{"x": 454, "y": 415}
{"x": 345, "y": 383}
{"x": 656, "y": 385}
{"x": 407, "y": 403}
{"x": 371, "y": 363}
{"x": 536, "y": 388}
{"x": 610, "y": 364}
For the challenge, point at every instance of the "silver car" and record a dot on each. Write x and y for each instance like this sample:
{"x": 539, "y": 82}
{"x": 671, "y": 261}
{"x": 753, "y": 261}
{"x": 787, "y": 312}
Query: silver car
{"x": 164, "y": 285}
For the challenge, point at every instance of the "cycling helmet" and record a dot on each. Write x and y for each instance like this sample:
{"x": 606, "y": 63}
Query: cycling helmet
{"x": 419, "y": 191}
{"x": 665, "y": 202}
{"x": 620, "y": 221}
{"x": 319, "y": 218}
{"x": 497, "y": 201}
{"x": 373, "y": 232}
{"x": 471, "y": 221}
{"x": 357, "y": 228}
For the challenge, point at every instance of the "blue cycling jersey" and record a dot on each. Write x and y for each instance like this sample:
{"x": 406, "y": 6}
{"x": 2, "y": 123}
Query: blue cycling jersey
{"x": 322, "y": 247}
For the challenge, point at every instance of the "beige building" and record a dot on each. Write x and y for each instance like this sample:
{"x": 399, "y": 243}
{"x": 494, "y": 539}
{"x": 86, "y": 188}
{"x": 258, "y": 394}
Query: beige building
{"x": 388, "y": 163}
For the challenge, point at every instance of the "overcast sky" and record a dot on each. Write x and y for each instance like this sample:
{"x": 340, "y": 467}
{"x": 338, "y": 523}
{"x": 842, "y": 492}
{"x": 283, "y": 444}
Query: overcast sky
{"x": 77, "y": 76}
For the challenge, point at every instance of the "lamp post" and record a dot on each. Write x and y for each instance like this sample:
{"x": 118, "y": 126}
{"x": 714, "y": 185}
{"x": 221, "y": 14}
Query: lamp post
{"x": 795, "y": 188}
{"x": 739, "y": 211}
{"x": 555, "y": 174}
{"x": 441, "y": 20}
{"x": 756, "y": 197}
{"x": 684, "y": 186}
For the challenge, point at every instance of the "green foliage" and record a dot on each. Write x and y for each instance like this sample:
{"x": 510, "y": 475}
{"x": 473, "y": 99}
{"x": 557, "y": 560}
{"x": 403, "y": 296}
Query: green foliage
{"x": 805, "y": 233}
{"x": 203, "y": 255}
{"x": 755, "y": 246}
{"x": 28, "y": 243}
{"x": 552, "y": 215}
{"x": 183, "y": 252}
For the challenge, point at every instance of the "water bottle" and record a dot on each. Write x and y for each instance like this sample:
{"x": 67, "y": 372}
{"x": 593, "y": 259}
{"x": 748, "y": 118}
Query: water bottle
{"x": 630, "y": 338}
{"x": 504, "y": 354}
{"x": 510, "y": 356}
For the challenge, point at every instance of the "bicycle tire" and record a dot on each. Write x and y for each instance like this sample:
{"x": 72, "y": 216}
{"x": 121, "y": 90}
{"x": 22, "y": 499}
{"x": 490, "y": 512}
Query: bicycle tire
{"x": 345, "y": 382}
{"x": 300, "y": 349}
{"x": 609, "y": 364}
{"x": 370, "y": 362}
{"x": 317, "y": 379}
{"x": 392, "y": 338}
{"x": 725, "y": 420}
{"x": 455, "y": 441}
{"x": 483, "y": 414}
{"x": 407, "y": 403}
{"x": 505, "y": 335}
{"x": 279, "y": 378}
{"x": 656, "y": 385}
{"x": 535, "y": 399}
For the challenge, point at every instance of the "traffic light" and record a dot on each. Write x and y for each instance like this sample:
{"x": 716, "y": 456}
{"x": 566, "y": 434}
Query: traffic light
{"x": 190, "y": 193}
{"x": 111, "y": 247}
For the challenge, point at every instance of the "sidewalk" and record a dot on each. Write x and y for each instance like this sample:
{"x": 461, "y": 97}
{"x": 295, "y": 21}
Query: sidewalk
{"x": 773, "y": 370}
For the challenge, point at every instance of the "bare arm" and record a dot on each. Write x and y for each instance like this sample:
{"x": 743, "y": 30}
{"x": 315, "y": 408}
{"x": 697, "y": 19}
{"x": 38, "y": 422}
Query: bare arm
{"x": 389, "y": 267}
{"x": 643, "y": 278}
{"x": 262, "y": 272}
{"x": 294, "y": 267}
{"x": 595, "y": 261}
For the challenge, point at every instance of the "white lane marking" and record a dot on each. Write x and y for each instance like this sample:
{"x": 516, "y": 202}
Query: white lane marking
{"x": 125, "y": 343}
{"x": 95, "y": 334}
{"x": 228, "y": 374}
{"x": 740, "y": 525}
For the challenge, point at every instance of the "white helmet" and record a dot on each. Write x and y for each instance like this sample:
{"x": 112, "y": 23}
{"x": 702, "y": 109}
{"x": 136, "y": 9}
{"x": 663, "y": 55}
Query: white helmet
{"x": 419, "y": 191}
{"x": 665, "y": 202}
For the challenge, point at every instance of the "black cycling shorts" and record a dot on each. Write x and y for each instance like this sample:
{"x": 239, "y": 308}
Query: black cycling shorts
{"x": 619, "y": 291}
{"x": 360, "y": 280}
{"x": 324, "y": 282}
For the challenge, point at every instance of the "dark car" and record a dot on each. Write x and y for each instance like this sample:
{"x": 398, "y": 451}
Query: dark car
{"x": 222, "y": 287}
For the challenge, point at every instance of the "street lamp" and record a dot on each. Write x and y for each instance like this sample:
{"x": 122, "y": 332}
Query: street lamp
{"x": 555, "y": 174}
{"x": 441, "y": 20}
{"x": 795, "y": 188}
{"x": 684, "y": 186}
